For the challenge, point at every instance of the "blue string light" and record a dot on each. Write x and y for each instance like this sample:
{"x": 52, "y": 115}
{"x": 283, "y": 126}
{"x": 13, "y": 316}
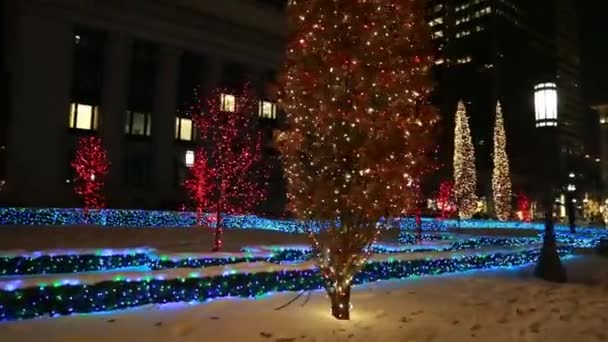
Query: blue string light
{"x": 66, "y": 298}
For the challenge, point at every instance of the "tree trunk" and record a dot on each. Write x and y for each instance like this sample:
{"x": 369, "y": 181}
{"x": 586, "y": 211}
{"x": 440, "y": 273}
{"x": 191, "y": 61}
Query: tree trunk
{"x": 571, "y": 210}
{"x": 217, "y": 241}
{"x": 549, "y": 265}
{"x": 199, "y": 215}
{"x": 418, "y": 228}
{"x": 340, "y": 304}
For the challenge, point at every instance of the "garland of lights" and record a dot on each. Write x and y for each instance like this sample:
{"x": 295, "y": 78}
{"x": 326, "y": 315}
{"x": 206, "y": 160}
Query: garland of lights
{"x": 75, "y": 263}
{"x": 65, "y": 299}
{"x": 177, "y": 219}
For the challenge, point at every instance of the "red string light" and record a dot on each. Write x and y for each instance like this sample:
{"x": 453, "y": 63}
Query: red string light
{"x": 91, "y": 165}
{"x": 227, "y": 177}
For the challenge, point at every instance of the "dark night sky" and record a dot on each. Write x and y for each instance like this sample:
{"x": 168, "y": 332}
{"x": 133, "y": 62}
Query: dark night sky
{"x": 594, "y": 48}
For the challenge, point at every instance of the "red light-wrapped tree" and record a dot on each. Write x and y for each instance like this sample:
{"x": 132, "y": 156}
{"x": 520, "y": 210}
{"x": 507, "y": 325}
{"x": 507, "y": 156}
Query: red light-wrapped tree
{"x": 91, "y": 166}
{"x": 200, "y": 184}
{"x": 354, "y": 87}
{"x": 445, "y": 200}
{"x": 231, "y": 176}
{"x": 523, "y": 208}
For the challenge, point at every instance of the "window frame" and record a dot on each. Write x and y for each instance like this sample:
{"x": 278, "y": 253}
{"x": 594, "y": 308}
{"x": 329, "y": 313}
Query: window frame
{"x": 129, "y": 119}
{"x": 178, "y": 129}
{"x": 224, "y": 103}
{"x": 73, "y": 117}
{"x": 273, "y": 110}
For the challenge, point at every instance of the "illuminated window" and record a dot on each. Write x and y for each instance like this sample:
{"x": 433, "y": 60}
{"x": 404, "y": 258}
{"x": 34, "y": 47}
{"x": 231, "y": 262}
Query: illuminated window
{"x": 228, "y": 103}
{"x": 439, "y": 61}
{"x": 189, "y": 158}
{"x": 184, "y": 130}
{"x": 268, "y": 110}
{"x": 138, "y": 123}
{"x": 437, "y": 34}
{"x": 83, "y": 116}
{"x": 545, "y": 104}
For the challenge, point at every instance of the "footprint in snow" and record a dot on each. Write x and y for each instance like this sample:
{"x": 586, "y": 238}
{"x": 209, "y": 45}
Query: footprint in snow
{"x": 535, "y": 327}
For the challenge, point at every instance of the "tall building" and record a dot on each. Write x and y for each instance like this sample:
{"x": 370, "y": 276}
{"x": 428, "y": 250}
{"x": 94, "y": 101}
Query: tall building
{"x": 490, "y": 50}
{"x": 124, "y": 70}
{"x": 602, "y": 111}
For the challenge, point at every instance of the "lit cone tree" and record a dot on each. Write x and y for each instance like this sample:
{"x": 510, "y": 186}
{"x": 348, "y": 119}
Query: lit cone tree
{"x": 501, "y": 181}
{"x": 230, "y": 172}
{"x": 465, "y": 178}
{"x": 354, "y": 87}
{"x": 90, "y": 166}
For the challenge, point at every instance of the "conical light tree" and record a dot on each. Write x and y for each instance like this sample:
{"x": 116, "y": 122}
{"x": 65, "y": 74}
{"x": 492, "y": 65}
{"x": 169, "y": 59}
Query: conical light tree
{"x": 465, "y": 178}
{"x": 501, "y": 181}
{"x": 355, "y": 88}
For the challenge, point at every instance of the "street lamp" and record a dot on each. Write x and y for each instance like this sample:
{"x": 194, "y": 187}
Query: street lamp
{"x": 549, "y": 265}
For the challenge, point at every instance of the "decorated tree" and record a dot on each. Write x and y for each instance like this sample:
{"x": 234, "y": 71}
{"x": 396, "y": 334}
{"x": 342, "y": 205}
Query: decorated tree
{"x": 591, "y": 210}
{"x": 445, "y": 199}
{"x": 91, "y": 166}
{"x": 354, "y": 87}
{"x": 524, "y": 210}
{"x": 227, "y": 178}
{"x": 465, "y": 178}
{"x": 501, "y": 180}
{"x": 200, "y": 184}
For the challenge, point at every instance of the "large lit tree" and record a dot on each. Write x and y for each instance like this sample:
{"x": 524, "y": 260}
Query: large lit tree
{"x": 228, "y": 168}
{"x": 90, "y": 166}
{"x": 501, "y": 181}
{"x": 465, "y": 178}
{"x": 354, "y": 87}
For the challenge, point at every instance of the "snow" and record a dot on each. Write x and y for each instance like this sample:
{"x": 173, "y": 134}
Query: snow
{"x": 179, "y": 240}
{"x": 480, "y": 306}
{"x": 75, "y": 251}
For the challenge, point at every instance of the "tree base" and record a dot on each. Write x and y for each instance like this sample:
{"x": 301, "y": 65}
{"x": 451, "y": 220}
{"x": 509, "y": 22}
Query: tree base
{"x": 340, "y": 305}
{"x": 549, "y": 265}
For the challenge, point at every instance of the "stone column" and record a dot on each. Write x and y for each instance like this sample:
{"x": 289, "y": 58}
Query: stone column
{"x": 163, "y": 122}
{"x": 113, "y": 106}
{"x": 212, "y": 73}
{"x": 37, "y": 163}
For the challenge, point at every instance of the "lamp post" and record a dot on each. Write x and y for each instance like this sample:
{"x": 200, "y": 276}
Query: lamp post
{"x": 549, "y": 265}
{"x": 570, "y": 203}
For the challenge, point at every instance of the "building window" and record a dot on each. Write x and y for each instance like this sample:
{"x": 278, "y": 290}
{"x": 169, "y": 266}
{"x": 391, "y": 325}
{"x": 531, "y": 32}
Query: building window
{"x": 227, "y": 103}
{"x": 437, "y": 34}
{"x": 184, "y": 130}
{"x": 85, "y": 117}
{"x": 189, "y": 158}
{"x": 268, "y": 110}
{"x": 138, "y": 123}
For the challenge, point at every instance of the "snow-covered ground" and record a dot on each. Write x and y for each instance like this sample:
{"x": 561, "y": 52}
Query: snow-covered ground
{"x": 482, "y": 306}
{"x": 189, "y": 239}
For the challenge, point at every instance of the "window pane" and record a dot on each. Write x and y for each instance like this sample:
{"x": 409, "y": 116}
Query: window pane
{"x": 228, "y": 103}
{"x": 139, "y": 124}
{"x": 186, "y": 130}
{"x": 128, "y": 122}
{"x": 267, "y": 109}
{"x": 149, "y": 124}
{"x": 72, "y": 114}
{"x": 84, "y": 117}
{"x": 177, "y": 128}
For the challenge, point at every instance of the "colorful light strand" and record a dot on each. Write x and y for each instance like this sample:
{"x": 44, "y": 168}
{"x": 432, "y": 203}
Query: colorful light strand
{"x": 64, "y": 298}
